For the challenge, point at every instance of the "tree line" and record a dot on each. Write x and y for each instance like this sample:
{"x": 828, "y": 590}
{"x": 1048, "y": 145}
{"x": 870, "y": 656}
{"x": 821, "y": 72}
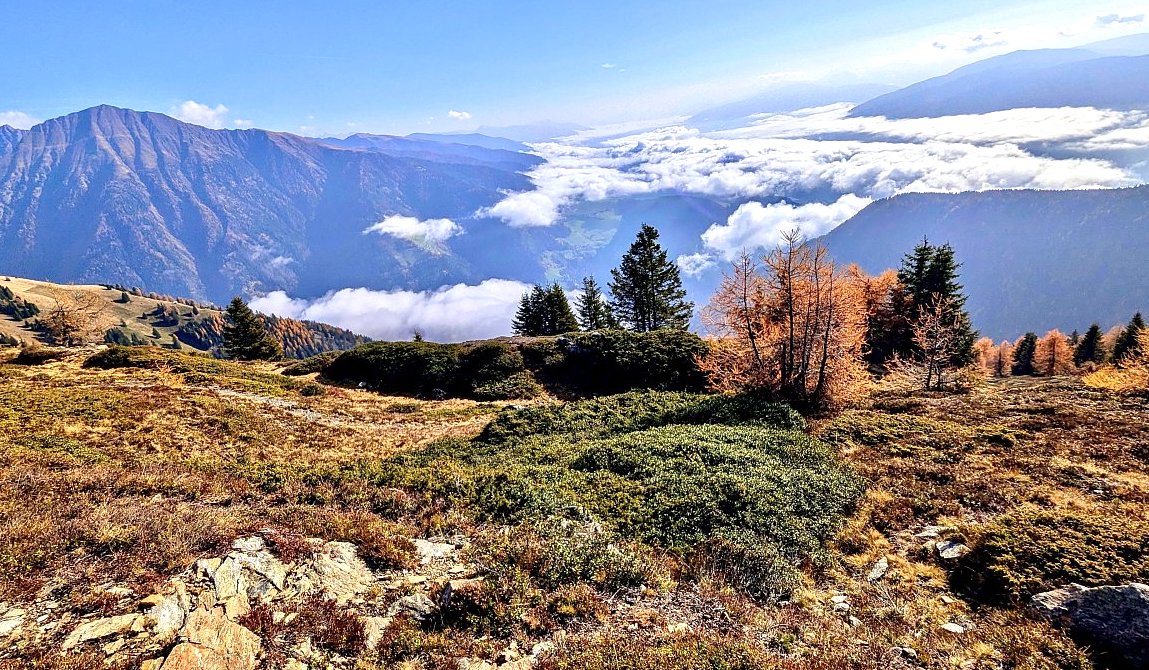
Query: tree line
{"x": 645, "y": 294}
{"x": 1058, "y": 354}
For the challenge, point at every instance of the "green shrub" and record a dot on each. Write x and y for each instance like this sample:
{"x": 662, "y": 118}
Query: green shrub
{"x": 411, "y": 368}
{"x": 311, "y": 364}
{"x": 1023, "y": 554}
{"x": 612, "y": 415}
{"x": 672, "y": 486}
{"x": 612, "y": 361}
{"x": 312, "y": 390}
{"x": 555, "y": 552}
{"x": 581, "y": 363}
{"x": 519, "y": 386}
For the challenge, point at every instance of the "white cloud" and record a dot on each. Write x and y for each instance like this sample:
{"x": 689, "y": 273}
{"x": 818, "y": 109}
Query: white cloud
{"x": 1117, "y": 19}
{"x": 971, "y": 42}
{"x": 430, "y": 233}
{"x": 609, "y": 66}
{"x": 818, "y": 153}
{"x": 242, "y": 123}
{"x": 191, "y": 111}
{"x": 449, "y": 314}
{"x": 693, "y": 265}
{"x": 17, "y": 119}
{"x": 459, "y": 116}
{"x": 758, "y": 226}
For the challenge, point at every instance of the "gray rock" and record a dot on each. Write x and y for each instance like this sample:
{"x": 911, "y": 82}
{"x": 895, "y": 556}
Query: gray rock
{"x": 167, "y": 617}
{"x": 418, "y": 605}
{"x": 100, "y": 628}
{"x": 881, "y": 567}
{"x": 430, "y": 551}
{"x": 956, "y": 629}
{"x": 931, "y": 532}
{"x": 336, "y": 572}
{"x": 950, "y": 550}
{"x": 1113, "y": 620}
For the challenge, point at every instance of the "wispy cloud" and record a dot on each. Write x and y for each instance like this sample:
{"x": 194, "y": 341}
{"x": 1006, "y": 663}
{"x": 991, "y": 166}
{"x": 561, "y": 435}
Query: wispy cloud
{"x": 459, "y": 116}
{"x": 1119, "y": 19}
{"x": 17, "y": 119}
{"x": 971, "y": 42}
{"x": 429, "y": 233}
{"x": 609, "y": 66}
{"x": 449, "y": 314}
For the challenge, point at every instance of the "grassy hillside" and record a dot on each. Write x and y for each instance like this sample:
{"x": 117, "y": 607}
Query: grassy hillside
{"x": 665, "y": 529}
{"x": 149, "y": 319}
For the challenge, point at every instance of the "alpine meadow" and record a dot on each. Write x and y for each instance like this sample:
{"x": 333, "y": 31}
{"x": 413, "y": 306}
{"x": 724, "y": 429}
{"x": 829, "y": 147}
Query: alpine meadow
{"x": 574, "y": 336}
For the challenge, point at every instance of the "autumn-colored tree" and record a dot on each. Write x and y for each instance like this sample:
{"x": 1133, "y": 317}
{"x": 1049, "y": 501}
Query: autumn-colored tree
{"x": 1131, "y": 377}
{"x": 1003, "y": 360}
{"x": 888, "y": 314}
{"x": 1053, "y": 356}
{"x": 986, "y": 352}
{"x": 793, "y": 326}
{"x": 739, "y": 322}
{"x": 941, "y": 337}
{"x": 74, "y": 318}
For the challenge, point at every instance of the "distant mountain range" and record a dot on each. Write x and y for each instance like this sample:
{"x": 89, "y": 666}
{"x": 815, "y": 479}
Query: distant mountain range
{"x": 1043, "y": 78}
{"x": 1031, "y": 260}
{"x": 138, "y": 198}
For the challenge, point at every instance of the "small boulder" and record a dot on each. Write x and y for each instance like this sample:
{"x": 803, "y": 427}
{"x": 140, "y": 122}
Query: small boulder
{"x": 951, "y": 551}
{"x": 881, "y": 567}
{"x": 1113, "y": 620}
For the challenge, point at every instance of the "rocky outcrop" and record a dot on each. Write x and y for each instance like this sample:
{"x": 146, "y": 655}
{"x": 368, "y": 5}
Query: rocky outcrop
{"x": 204, "y": 618}
{"x": 1113, "y": 620}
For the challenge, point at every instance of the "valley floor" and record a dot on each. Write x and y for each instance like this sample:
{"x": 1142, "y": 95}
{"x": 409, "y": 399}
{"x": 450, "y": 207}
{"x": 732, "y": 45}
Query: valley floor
{"x": 127, "y": 491}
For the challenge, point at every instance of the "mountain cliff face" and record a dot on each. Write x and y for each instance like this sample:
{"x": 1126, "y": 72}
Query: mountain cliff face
{"x": 112, "y": 195}
{"x": 1031, "y": 260}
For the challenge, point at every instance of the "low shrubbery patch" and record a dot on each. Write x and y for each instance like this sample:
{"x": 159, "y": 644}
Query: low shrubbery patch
{"x": 580, "y": 364}
{"x": 1026, "y": 553}
{"x": 777, "y": 495}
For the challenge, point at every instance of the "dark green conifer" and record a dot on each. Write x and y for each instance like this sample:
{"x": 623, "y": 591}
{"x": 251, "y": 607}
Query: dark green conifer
{"x": 930, "y": 274}
{"x": 1127, "y": 343}
{"x": 593, "y": 312}
{"x": 1091, "y": 349}
{"x": 646, "y": 288}
{"x": 244, "y": 335}
{"x": 1023, "y": 355}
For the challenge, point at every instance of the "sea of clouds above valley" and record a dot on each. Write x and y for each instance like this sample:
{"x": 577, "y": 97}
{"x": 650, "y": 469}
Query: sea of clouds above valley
{"x": 812, "y": 170}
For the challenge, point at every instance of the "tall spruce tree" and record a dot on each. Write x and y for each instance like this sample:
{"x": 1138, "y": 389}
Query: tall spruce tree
{"x": 1090, "y": 349}
{"x": 544, "y": 311}
{"x": 1023, "y": 354}
{"x": 928, "y": 275}
{"x": 244, "y": 336}
{"x": 593, "y": 312}
{"x": 1127, "y": 343}
{"x": 646, "y": 288}
{"x": 559, "y": 317}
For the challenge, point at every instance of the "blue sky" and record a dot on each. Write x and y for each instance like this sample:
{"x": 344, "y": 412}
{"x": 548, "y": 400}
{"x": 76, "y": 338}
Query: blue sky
{"x": 339, "y": 67}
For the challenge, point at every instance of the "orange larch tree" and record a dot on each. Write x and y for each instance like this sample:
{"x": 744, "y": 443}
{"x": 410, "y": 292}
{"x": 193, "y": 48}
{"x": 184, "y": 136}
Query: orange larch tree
{"x": 1053, "y": 355}
{"x": 793, "y": 326}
